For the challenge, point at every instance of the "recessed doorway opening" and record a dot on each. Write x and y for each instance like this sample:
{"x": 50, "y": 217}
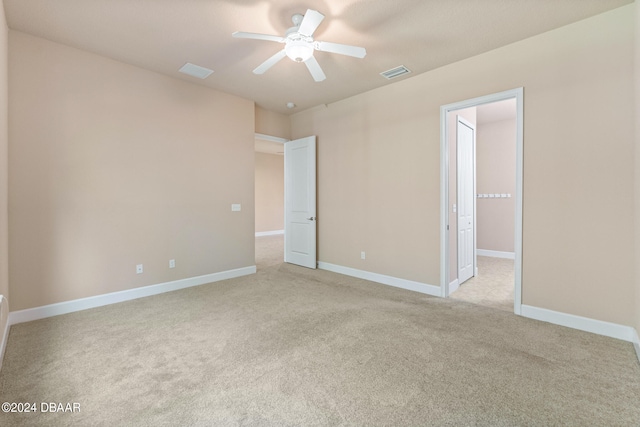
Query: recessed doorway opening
{"x": 481, "y": 200}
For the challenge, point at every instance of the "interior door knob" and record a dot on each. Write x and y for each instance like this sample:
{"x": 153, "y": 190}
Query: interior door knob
{"x": 312, "y": 218}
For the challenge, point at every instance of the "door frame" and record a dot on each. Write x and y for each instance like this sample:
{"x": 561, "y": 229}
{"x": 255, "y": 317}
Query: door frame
{"x": 445, "y": 110}
{"x": 284, "y": 141}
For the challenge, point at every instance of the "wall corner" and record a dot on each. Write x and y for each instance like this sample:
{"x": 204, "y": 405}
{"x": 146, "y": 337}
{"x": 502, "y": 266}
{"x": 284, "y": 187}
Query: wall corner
{"x": 4, "y": 182}
{"x": 636, "y": 226}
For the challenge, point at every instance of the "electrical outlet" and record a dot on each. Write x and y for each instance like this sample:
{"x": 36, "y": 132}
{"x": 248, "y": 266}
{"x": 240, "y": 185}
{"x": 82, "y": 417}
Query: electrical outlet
{"x": 172, "y": 263}
{"x": 139, "y": 269}
{"x": 363, "y": 255}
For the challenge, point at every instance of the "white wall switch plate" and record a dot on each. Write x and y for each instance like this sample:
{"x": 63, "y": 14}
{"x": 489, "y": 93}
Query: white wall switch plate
{"x": 172, "y": 263}
{"x": 139, "y": 269}
{"x": 236, "y": 207}
{"x": 363, "y": 255}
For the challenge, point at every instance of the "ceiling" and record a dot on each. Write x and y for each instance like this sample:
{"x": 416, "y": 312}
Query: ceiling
{"x": 163, "y": 35}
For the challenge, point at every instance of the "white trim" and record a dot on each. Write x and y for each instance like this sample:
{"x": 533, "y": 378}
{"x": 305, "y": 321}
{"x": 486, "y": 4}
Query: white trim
{"x": 5, "y": 338}
{"x": 496, "y": 254}
{"x": 269, "y": 233}
{"x": 517, "y": 299}
{"x": 381, "y": 278}
{"x": 116, "y": 297}
{"x": 453, "y": 286}
{"x": 444, "y": 205}
{"x": 271, "y": 138}
{"x": 518, "y": 94}
{"x": 613, "y": 330}
{"x": 636, "y": 343}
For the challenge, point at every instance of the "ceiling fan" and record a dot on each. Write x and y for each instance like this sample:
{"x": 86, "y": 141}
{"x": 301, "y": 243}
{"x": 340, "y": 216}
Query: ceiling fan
{"x": 299, "y": 44}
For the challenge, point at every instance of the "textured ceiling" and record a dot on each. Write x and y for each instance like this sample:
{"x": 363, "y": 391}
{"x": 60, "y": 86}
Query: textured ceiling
{"x": 162, "y": 35}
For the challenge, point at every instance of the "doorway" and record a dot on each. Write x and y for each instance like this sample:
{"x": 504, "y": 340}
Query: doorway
{"x": 285, "y": 201}
{"x": 450, "y": 199}
{"x": 269, "y": 200}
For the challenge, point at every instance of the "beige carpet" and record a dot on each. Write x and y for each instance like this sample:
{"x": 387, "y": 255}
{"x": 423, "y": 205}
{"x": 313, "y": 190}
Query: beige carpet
{"x": 492, "y": 287}
{"x": 269, "y": 251}
{"x": 290, "y": 346}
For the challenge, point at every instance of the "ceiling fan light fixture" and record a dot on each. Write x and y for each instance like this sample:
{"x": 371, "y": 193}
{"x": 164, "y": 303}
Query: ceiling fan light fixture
{"x": 299, "y": 50}
{"x": 299, "y": 45}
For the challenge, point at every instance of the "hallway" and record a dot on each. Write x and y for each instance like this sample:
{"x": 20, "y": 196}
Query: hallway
{"x": 492, "y": 287}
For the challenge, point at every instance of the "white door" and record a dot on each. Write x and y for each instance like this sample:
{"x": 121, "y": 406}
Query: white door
{"x": 466, "y": 171}
{"x": 300, "y": 202}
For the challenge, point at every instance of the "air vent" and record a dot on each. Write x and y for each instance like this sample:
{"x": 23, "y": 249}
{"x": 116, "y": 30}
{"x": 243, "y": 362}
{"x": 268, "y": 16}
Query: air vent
{"x": 195, "y": 71}
{"x": 395, "y": 72}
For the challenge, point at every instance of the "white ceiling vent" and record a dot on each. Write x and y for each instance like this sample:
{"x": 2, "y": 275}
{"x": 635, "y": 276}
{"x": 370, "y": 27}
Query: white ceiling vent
{"x": 395, "y": 72}
{"x": 195, "y": 71}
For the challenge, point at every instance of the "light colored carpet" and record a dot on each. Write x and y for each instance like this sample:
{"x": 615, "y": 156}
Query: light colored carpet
{"x": 290, "y": 346}
{"x": 492, "y": 287}
{"x": 269, "y": 251}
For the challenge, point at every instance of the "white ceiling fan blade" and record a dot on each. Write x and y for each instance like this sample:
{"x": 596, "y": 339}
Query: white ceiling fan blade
{"x": 342, "y": 49}
{"x": 314, "y": 69}
{"x": 310, "y": 22}
{"x": 270, "y": 62}
{"x": 256, "y": 36}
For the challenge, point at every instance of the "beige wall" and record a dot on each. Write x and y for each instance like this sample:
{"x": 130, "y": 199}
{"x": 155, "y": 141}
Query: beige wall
{"x": 270, "y": 172}
{"x": 469, "y": 114}
{"x": 113, "y": 166}
{"x": 269, "y": 192}
{"x": 637, "y": 164}
{"x": 378, "y": 167}
{"x": 4, "y": 175}
{"x": 272, "y": 123}
{"x": 496, "y": 173}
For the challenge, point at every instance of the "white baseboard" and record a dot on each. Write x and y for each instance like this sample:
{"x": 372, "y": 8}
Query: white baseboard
{"x": 381, "y": 278}
{"x": 636, "y": 343}
{"x": 269, "y": 233}
{"x": 613, "y": 330}
{"x": 5, "y": 338}
{"x": 495, "y": 254}
{"x": 36, "y": 313}
{"x": 453, "y": 286}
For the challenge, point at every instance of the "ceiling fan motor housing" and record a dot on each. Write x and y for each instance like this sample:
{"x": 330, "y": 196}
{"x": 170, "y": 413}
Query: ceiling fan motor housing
{"x": 299, "y": 50}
